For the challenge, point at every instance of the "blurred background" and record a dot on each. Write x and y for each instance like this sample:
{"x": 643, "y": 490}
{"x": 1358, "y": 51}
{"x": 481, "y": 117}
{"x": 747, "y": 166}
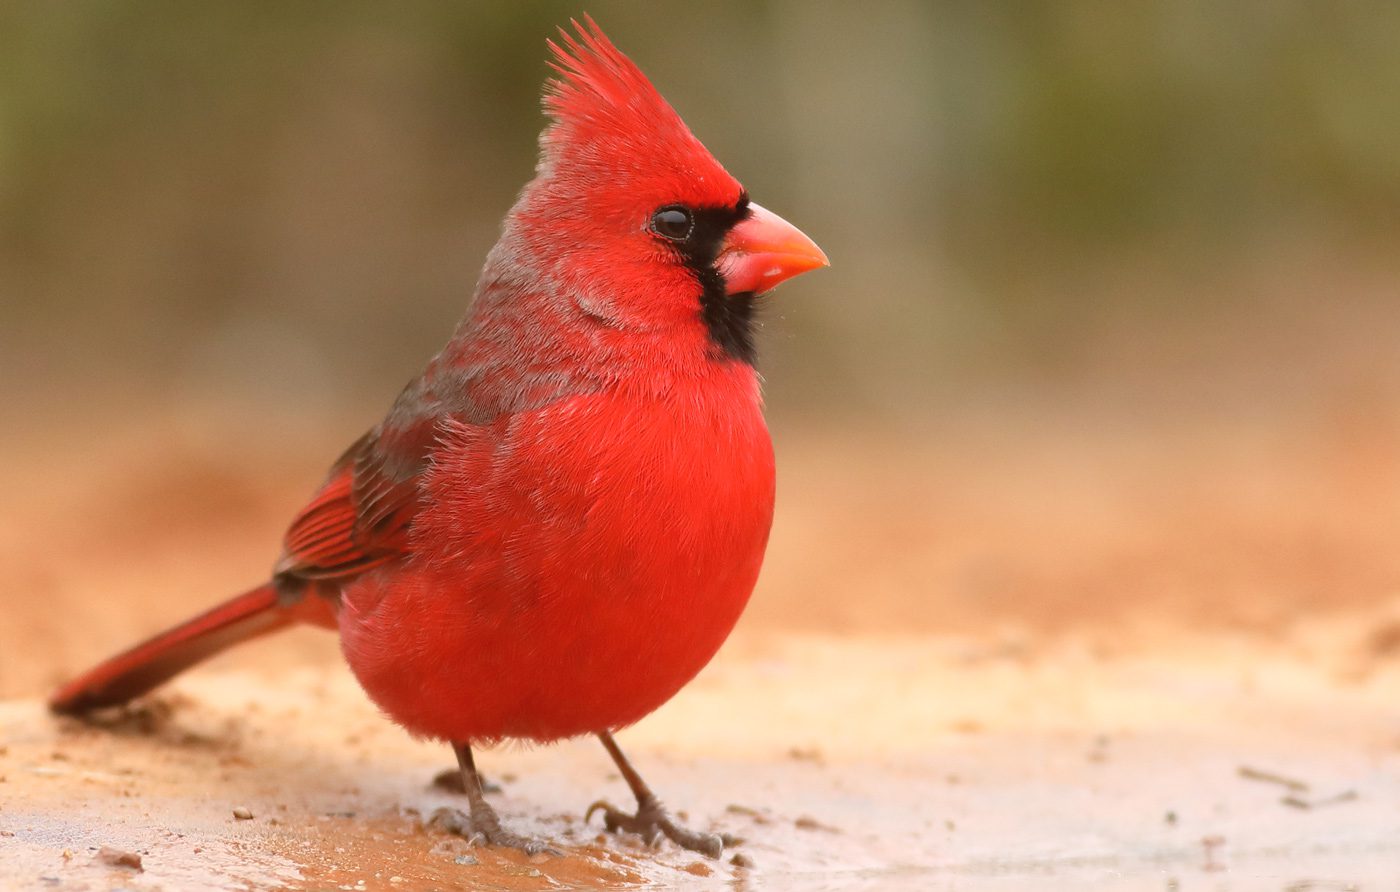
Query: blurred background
{"x": 1108, "y": 345}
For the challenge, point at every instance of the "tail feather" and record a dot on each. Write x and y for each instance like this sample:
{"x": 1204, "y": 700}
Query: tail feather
{"x": 134, "y": 672}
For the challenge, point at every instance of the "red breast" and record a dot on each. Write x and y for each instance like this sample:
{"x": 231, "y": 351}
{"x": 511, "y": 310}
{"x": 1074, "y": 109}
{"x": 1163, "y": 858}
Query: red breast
{"x": 575, "y": 566}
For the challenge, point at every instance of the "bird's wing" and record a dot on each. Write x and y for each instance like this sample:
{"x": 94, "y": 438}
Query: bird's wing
{"x": 361, "y": 516}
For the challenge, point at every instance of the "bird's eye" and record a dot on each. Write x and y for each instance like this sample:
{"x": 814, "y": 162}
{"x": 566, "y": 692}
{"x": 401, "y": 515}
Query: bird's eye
{"x": 673, "y": 223}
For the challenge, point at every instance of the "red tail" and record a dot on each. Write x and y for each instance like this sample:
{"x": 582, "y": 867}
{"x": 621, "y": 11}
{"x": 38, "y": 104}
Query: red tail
{"x": 134, "y": 672}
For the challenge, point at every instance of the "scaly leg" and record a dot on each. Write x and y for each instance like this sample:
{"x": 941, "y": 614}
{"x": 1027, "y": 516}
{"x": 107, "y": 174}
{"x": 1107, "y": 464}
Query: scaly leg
{"x": 651, "y": 820}
{"x": 483, "y": 823}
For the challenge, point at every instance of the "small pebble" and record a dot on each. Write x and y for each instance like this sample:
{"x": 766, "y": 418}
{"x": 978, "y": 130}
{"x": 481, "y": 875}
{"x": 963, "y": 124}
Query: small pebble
{"x": 741, "y": 860}
{"x": 464, "y": 859}
{"x": 805, "y": 754}
{"x": 396, "y": 879}
{"x": 119, "y": 858}
{"x": 242, "y": 814}
{"x": 757, "y": 816}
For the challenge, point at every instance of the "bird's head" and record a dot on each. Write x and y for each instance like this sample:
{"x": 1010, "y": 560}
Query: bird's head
{"x": 634, "y": 218}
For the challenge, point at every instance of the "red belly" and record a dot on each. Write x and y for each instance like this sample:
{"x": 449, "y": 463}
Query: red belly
{"x": 589, "y": 558}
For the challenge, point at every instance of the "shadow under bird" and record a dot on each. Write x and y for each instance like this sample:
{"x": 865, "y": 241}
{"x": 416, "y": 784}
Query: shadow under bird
{"x": 560, "y": 520}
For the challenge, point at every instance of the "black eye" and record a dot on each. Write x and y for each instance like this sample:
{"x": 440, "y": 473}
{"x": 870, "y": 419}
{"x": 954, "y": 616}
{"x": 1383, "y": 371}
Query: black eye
{"x": 673, "y": 223}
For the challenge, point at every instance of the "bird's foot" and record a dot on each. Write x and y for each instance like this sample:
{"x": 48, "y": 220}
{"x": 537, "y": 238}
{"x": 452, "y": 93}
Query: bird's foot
{"x": 652, "y": 822}
{"x": 484, "y": 828}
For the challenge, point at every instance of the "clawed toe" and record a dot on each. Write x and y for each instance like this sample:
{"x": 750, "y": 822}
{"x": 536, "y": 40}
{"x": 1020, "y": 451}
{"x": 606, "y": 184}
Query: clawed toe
{"x": 487, "y": 832}
{"x": 616, "y": 820}
{"x": 652, "y": 822}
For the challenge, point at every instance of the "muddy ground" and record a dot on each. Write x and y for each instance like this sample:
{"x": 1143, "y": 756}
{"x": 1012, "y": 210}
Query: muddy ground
{"x": 1123, "y": 657}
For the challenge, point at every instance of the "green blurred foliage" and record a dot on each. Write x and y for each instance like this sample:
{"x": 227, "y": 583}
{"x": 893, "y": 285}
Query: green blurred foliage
{"x": 292, "y": 198}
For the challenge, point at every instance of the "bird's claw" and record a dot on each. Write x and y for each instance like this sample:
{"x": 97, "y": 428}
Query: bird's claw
{"x": 652, "y": 822}
{"x": 486, "y": 830}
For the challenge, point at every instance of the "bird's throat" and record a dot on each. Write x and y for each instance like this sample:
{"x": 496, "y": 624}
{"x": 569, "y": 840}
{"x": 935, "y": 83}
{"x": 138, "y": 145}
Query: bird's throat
{"x": 728, "y": 319}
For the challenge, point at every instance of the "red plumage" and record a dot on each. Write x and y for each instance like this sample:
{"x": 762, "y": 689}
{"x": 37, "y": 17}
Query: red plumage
{"x": 559, "y": 522}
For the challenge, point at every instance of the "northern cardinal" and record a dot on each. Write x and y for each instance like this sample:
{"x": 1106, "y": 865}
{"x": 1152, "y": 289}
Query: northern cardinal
{"x": 560, "y": 520}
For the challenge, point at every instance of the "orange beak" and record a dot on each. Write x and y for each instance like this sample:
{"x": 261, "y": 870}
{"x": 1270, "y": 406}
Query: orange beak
{"x": 762, "y": 250}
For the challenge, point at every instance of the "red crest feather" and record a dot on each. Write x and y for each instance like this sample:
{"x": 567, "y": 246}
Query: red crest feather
{"x": 595, "y": 75}
{"x": 608, "y": 118}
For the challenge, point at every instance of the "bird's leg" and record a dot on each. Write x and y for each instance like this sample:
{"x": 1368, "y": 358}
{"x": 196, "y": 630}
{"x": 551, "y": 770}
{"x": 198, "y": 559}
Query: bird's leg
{"x": 450, "y": 780}
{"x": 652, "y": 820}
{"x": 482, "y": 824}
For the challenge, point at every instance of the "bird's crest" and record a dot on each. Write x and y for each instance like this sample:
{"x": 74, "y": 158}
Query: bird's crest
{"x": 610, "y": 125}
{"x": 596, "y": 82}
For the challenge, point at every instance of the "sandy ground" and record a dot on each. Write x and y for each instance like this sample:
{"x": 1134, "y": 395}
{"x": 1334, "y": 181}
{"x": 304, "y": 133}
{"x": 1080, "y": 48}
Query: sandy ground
{"x": 843, "y": 763}
{"x": 1120, "y": 660}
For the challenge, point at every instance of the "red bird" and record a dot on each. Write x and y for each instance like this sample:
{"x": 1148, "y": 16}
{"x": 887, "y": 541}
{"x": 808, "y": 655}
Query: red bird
{"x": 560, "y": 520}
